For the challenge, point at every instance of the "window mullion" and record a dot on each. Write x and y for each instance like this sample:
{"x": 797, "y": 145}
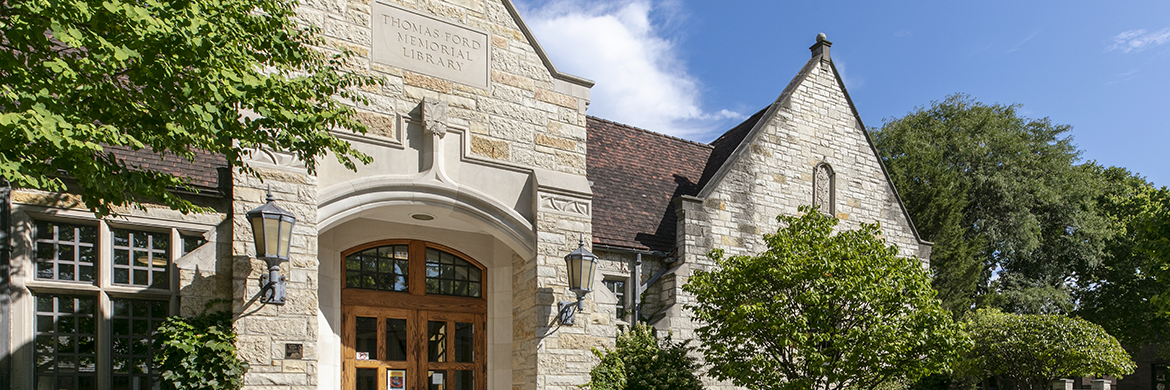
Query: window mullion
{"x": 177, "y": 250}
{"x": 104, "y": 341}
{"x": 105, "y": 253}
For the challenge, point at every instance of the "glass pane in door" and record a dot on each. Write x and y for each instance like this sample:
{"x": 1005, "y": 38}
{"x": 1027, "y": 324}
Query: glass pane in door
{"x": 464, "y": 342}
{"x": 365, "y": 343}
{"x": 367, "y": 379}
{"x": 464, "y": 380}
{"x": 395, "y": 339}
{"x": 437, "y": 341}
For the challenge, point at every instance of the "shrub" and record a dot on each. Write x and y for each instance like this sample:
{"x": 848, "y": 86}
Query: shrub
{"x": 199, "y": 353}
{"x": 642, "y": 361}
{"x": 1033, "y": 350}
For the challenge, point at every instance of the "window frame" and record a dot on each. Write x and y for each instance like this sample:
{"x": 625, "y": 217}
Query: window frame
{"x": 27, "y": 287}
{"x": 621, "y": 308}
{"x": 416, "y": 274}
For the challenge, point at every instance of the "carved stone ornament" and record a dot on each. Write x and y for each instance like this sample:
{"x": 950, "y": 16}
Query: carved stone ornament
{"x": 435, "y": 116}
{"x": 564, "y": 205}
{"x": 268, "y": 156}
{"x": 823, "y": 188}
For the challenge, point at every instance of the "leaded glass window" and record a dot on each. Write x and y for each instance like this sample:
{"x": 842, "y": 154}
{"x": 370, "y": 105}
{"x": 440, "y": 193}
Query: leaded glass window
{"x": 65, "y": 251}
{"x": 141, "y": 258}
{"x": 383, "y": 268}
{"x": 388, "y": 268}
{"x": 190, "y": 243}
{"x": 618, "y": 288}
{"x": 133, "y": 326}
{"x": 66, "y": 342}
{"x": 450, "y": 275}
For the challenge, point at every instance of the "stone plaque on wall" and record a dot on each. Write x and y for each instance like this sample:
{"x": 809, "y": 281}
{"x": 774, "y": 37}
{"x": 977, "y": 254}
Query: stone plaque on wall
{"x": 426, "y": 45}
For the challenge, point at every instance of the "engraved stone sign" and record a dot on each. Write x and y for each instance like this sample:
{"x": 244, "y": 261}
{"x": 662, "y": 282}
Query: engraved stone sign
{"x": 429, "y": 46}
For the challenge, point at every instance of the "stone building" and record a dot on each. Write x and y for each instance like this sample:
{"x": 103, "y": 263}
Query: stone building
{"x": 440, "y": 265}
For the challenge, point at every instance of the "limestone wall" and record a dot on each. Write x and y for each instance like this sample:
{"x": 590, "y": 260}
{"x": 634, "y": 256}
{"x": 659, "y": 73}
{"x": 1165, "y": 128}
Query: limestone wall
{"x": 774, "y": 174}
{"x": 265, "y": 331}
{"x": 560, "y": 354}
{"x": 523, "y": 114}
{"x": 503, "y": 129}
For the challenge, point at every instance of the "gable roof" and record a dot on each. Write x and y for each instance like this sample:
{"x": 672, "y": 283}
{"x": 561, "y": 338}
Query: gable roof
{"x": 584, "y": 82}
{"x": 726, "y": 145}
{"x": 820, "y": 54}
{"x": 635, "y": 174}
{"x": 629, "y": 169}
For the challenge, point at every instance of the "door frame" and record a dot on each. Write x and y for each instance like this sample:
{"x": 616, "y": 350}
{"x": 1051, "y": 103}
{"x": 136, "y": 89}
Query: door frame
{"x": 418, "y": 307}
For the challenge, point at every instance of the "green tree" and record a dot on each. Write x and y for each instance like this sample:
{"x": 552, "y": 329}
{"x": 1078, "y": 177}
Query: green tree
{"x": 642, "y": 361}
{"x": 177, "y": 77}
{"x": 1123, "y": 295}
{"x": 1154, "y": 230}
{"x": 819, "y": 310}
{"x": 1032, "y": 350}
{"x": 1004, "y": 198}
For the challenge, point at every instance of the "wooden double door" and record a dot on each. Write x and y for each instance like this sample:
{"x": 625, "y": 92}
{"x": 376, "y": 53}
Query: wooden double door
{"x": 409, "y": 349}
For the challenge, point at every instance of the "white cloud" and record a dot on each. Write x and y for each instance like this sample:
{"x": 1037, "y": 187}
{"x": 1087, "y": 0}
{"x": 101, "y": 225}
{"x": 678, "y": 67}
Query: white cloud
{"x": 620, "y": 45}
{"x": 1138, "y": 40}
{"x": 1021, "y": 43}
{"x": 852, "y": 82}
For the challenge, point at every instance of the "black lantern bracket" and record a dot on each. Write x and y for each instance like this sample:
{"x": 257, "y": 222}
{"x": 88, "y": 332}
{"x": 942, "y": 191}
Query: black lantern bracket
{"x": 272, "y": 292}
{"x": 565, "y": 309}
{"x": 582, "y": 267}
{"x": 272, "y": 234}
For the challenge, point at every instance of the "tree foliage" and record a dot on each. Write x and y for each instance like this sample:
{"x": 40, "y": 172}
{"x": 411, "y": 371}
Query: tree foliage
{"x": 176, "y": 77}
{"x": 1000, "y": 195}
{"x": 1127, "y": 295}
{"x": 819, "y": 310}
{"x": 642, "y": 361}
{"x": 198, "y": 353}
{"x": 1033, "y": 350}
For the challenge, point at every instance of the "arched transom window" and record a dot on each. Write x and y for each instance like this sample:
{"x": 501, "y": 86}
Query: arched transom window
{"x": 389, "y": 268}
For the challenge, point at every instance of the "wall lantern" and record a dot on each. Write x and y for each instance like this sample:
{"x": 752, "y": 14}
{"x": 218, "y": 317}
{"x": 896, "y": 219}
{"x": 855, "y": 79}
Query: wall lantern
{"x": 582, "y": 266}
{"x": 272, "y": 233}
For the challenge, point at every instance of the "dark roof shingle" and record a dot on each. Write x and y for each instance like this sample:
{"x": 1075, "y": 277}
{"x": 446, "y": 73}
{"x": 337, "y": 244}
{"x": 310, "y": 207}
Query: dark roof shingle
{"x": 635, "y": 174}
{"x": 203, "y": 171}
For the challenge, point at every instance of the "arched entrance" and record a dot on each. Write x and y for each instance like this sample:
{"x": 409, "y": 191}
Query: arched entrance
{"x": 413, "y": 318}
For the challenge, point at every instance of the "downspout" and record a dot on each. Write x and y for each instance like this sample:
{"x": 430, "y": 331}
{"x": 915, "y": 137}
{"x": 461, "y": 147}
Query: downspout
{"x": 637, "y": 289}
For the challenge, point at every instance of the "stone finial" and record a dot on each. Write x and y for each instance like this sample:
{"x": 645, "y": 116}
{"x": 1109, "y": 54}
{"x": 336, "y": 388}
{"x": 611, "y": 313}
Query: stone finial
{"x": 435, "y": 116}
{"x": 821, "y": 48}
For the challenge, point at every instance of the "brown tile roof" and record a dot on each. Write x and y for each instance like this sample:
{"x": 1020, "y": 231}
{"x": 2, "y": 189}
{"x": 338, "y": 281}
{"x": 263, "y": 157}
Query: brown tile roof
{"x": 635, "y": 174}
{"x": 203, "y": 172}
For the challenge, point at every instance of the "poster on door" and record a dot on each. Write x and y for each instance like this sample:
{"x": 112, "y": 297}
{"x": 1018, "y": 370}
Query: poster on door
{"x": 396, "y": 379}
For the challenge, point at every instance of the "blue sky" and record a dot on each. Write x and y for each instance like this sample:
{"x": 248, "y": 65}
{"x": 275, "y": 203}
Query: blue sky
{"x": 695, "y": 68}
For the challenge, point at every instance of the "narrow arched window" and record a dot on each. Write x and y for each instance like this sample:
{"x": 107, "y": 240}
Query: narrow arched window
{"x": 824, "y": 189}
